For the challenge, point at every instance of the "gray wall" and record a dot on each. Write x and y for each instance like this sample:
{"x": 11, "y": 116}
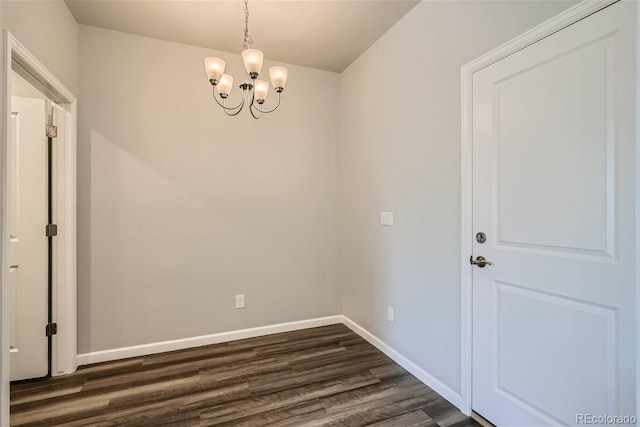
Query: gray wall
{"x": 400, "y": 151}
{"x": 49, "y": 31}
{"x": 180, "y": 207}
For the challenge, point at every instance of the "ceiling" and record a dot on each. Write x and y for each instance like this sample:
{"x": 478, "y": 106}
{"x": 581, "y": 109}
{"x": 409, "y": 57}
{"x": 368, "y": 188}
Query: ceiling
{"x": 324, "y": 34}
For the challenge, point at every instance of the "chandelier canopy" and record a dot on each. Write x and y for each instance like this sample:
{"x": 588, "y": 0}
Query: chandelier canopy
{"x": 254, "y": 91}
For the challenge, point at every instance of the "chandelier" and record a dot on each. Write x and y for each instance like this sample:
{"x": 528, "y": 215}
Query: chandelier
{"x": 254, "y": 91}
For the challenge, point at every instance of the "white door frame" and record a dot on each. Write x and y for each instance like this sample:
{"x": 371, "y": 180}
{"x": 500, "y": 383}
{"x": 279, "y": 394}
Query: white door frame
{"x": 563, "y": 20}
{"x": 64, "y": 347}
{"x": 637, "y": 208}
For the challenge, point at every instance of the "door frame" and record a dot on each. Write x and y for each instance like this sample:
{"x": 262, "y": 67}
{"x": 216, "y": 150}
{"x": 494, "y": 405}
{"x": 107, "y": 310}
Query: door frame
{"x": 553, "y": 25}
{"x": 64, "y": 345}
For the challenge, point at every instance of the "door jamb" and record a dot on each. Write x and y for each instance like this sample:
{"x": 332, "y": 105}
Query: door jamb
{"x": 637, "y": 208}
{"x": 553, "y": 25}
{"x": 64, "y": 346}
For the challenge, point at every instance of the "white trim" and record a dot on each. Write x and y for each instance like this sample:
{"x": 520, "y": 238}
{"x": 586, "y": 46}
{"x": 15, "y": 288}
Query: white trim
{"x": 64, "y": 349}
{"x": 637, "y": 207}
{"x": 4, "y": 244}
{"x": 553, "y": 25}
{"x": 180, "y": 344}
{"x": 466, "y": 230}
{"x": 415, "y": 370}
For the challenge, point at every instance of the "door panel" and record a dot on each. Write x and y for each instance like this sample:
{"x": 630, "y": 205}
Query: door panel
{"x": 544, "y": 115}
{"x": 583, "y": 333}
{"x": 553, "y": 189}
{"x": 28, "y": 250}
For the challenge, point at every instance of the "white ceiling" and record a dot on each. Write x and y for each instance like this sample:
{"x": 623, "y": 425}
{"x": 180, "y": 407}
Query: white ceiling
{"x": 323, "y": 34}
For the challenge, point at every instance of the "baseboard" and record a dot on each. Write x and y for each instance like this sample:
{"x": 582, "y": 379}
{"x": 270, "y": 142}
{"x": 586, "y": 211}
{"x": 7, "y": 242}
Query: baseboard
{"x": 160, "y": 347}
{"x": 439, "y": 387}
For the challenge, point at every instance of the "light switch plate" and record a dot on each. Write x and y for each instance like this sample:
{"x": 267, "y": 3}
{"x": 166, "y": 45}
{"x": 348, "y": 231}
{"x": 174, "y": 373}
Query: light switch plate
{"x": 386, "y": 218}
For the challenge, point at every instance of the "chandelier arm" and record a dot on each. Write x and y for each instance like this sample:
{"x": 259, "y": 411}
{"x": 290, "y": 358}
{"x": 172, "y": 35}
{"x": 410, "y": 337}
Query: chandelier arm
{"x": 271, "y": 110}
{"x": 253, "y": 93}
{"x": 240, "y": 105}
{"x": 234, "y": 113}
{"x": 251, "y": 108}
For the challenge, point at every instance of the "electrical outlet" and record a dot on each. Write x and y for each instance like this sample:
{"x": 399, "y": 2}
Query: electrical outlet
{"x": 390, "y": 314}
{"x": 239, "y": 301}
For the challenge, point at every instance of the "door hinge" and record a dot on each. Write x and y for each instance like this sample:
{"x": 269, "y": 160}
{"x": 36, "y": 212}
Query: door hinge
{"x": 51, "y": 131}
{"x": 51, "y": 329}
{"x": 51, "y": 230}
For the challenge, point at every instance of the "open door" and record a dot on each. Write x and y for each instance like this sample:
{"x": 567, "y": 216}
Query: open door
{"x": 28, "y": 263}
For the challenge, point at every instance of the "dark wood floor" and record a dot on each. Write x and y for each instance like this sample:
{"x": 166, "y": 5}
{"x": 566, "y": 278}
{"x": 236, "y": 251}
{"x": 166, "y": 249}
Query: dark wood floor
{"x": 315, "y": 377}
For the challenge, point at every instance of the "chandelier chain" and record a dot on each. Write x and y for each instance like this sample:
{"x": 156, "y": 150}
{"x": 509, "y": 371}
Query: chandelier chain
{"x": 248, "y": 41}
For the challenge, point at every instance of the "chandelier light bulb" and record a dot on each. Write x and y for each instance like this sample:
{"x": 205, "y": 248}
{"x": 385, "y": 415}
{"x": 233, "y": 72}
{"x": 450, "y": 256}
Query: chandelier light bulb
{"x": 261, "y": 91}
{"x": 225, "y": 85}
{"x": 278, "y": 78}
{"x": 215, "y": 69}
{"x": 252, "y": 62}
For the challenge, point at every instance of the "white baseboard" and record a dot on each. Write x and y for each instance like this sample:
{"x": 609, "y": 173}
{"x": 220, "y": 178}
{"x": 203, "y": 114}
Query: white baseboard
{"x": 160, "y": 347}
{"x": 440, "y": 388}
{"x": 180, "y": 344}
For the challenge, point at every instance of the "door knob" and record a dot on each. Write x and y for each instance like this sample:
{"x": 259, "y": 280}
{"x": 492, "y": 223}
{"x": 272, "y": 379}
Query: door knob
{"x": 480, "y": 261}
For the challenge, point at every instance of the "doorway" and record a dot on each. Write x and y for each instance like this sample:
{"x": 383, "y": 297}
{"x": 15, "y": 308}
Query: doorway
{"x": 63, "y": 264}
{"x": 549, "y": 220}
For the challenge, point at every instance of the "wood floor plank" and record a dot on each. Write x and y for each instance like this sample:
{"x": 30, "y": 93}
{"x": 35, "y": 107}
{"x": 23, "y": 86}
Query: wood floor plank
{"x": 148, "y": 414}
{"x": 302, "y": 344}
{"x": 157, "y": 371}
{"x": 276, "y": 401}
{"x": 62, "y": 409}
{"x": 320, "y": 376}
{"x": 410, "y": 419}
{"x": 46, "y": 393}
{"x": 278, "y": 416}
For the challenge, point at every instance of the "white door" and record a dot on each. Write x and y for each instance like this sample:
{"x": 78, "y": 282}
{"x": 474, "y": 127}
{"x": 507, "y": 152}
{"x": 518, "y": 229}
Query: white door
{"x": 28, "y": 251}
{"x": 553, "y": 190}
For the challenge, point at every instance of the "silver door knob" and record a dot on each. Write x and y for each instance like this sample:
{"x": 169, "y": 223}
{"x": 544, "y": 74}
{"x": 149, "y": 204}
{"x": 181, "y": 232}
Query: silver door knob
{"x": 480, "y": 261}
